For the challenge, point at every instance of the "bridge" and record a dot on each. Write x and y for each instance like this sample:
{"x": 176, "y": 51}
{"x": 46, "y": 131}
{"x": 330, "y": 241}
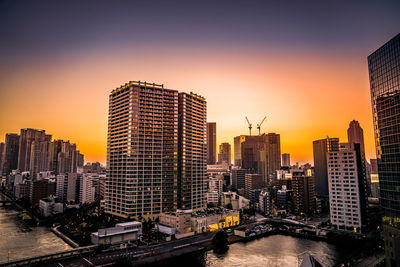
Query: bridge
{"x": 49, "y": 258}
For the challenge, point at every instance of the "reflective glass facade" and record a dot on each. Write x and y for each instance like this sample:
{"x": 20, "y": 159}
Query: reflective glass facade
{"x": 384, "y": 75}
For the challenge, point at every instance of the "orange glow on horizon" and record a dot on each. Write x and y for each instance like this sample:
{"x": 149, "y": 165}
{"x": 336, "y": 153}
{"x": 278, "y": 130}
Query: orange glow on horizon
{"x": 304, "y": 96}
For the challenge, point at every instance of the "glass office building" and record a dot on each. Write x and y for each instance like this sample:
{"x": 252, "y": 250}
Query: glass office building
{"x": 384, "y": 75}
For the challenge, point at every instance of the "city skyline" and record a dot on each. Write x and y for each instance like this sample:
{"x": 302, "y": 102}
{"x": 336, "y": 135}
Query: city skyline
{"x": 69, "y": 71}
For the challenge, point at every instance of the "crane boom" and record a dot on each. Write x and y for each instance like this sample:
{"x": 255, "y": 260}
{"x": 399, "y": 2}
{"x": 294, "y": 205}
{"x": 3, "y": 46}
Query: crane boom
{"x": 259, "y": 125}
{"x": 250, "y": 125}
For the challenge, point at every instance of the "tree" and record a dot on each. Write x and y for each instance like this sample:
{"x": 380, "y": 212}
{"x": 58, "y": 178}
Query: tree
{"x": 220, "y": 242}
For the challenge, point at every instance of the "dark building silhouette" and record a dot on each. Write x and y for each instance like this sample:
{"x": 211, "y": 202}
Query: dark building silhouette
{"x": 320, "y": 150}
{"x": 224, "y": 154}
{"x": 304, "y": 200}
{"x": 10, "y": 158}
{"x": 211, "y": 143}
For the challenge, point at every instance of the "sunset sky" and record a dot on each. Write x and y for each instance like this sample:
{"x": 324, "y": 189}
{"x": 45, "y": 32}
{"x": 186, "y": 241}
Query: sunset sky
{"x": 304, "y": 66}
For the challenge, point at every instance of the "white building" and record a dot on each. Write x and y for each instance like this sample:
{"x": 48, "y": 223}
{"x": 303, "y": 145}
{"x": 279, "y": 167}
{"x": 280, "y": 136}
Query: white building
{"x": 48, "y": 207}
{"x": 61, "y": 187}
{"x": 213, "y": 197}
{"x": 344, "y": 196}
{"x": 121, "y": 233}
{"x": 87, "y": 190}
{"x": 215, "y": 189}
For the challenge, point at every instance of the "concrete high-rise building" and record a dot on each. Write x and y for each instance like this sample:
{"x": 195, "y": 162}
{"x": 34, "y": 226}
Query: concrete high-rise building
{"x": 211, "y": 143}
{"x": 261, "y": 153}
{"x": 238, "y": 178}
{"x": 87, "y": 190}
{"x": 252, "y": 182}
{"x": 224, "y": 154}
{"x": 142, "y": 150}
{"x": 347, "y": 196}
{"x": 39, "y": 156}
{"x": 156, "y": 160}
{"x": 29, "y": 153}
{"x": 192, "y": 151}
{"x": 10, "y": 158}
{"x": 61, "y": 187}
{"x": 286, "y": 160}
{"x": 304, "y": 200}
{"x": 384, "y": 73}
{"x": 320, "y": 150}
{"x": 68, "y": 158}
{"x": 273, "y": 159}
{"x": 73, "y": 187}
{"x": 237, "y": 150}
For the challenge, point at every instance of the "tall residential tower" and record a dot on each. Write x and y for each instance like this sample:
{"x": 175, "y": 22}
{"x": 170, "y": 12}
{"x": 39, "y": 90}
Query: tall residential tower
{"x": 156, "y": 150}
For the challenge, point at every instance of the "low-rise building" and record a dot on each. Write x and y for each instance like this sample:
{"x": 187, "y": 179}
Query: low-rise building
{"x": 49, "y": 207}
{"x": 185, "y": 222}
{"x": 238, "y": 202}
{"x": 121, "y": 233}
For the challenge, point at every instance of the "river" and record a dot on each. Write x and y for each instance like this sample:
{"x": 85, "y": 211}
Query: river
{"x": 17, "y": 240}
{"x": 276, "y": 250}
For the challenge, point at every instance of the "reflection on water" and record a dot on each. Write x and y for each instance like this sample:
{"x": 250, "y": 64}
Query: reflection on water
{"x": 18, "y": 241}
{"x": 276, "y": 250}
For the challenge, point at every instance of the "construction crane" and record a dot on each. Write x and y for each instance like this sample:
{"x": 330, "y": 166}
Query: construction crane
{"x": 250, "y": 125}
{"x": 259, "y": 125}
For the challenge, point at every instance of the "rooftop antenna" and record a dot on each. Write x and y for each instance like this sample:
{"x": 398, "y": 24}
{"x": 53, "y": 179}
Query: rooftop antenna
{"x": 259, "y": 125}
{"x": 250, "y": 125}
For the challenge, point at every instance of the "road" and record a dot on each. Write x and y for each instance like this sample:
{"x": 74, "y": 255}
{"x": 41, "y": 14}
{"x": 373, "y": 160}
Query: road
{"x": 107, "y": 257}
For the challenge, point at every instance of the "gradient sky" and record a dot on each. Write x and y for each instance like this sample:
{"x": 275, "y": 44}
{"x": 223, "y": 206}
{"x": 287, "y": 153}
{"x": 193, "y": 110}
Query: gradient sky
{"x": 303, "y": 64}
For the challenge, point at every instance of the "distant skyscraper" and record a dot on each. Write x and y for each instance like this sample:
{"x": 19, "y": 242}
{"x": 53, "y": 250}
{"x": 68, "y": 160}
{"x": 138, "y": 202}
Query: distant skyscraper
{"x": 211, "y": 143}
{"x": 355, "y": 134}
{"x": 224, "y": 154}
{"x": 2, "y": 154}
{"x": 384, "y": 76}
{"x": 260, "y": 153}
{"x": 286, "y": 159}
{"x": 237, "y": 149}
{"x": 192, "y": 154}
{"x": 10, "y": 160}
{"x": 273, "y": 158}
{"x": 320, "y": 150}
{"x": 238, "y": 178}
{"x": 30, "y": 153}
